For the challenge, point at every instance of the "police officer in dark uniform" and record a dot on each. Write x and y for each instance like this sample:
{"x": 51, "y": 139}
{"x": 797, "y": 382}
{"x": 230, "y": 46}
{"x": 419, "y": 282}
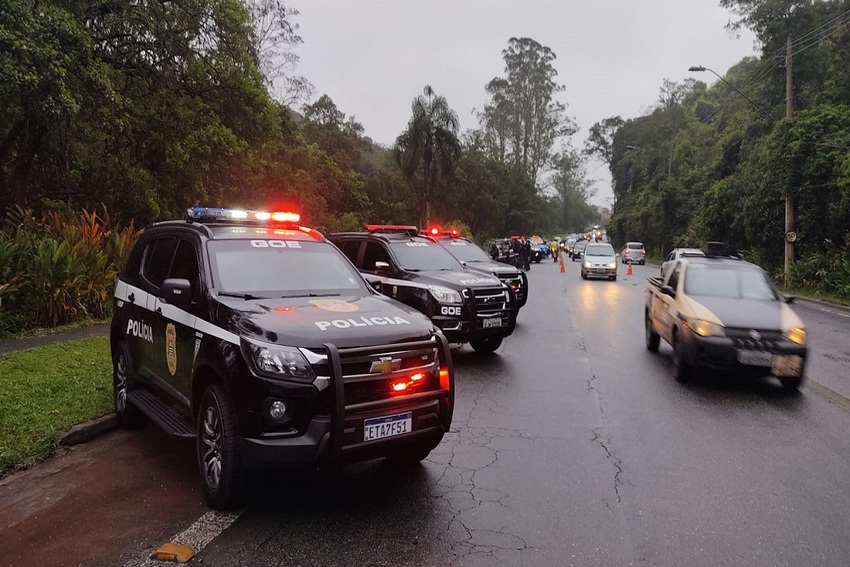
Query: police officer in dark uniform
{"x": 525, "y": 254}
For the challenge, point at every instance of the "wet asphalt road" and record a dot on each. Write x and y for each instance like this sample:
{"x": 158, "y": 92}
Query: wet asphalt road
{"x": 572, "y": 445}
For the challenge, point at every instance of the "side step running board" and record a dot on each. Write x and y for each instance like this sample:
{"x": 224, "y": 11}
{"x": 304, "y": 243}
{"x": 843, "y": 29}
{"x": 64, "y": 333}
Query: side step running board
{"x": 161, "y": 413}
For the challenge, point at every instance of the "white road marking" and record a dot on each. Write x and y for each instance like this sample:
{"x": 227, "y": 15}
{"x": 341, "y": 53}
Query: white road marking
{"x": 198, "y": 535}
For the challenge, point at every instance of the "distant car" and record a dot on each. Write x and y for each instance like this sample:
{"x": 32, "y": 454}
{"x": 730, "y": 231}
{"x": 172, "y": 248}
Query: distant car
{"x": 600, "y": 261}
{"x": 578, "y": 249}
{"x": 634, "y": 252}
{"x": 570, "y": 243}
{"x": 674, "y": 255}
{"x": 539, "y": 249}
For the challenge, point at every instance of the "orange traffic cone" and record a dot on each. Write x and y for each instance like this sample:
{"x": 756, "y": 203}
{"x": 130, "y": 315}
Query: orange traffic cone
{"x": 629, "y": 271}
{"x": 561, "y": 256}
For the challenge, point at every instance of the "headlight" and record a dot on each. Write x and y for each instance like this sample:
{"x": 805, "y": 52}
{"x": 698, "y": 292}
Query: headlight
{"x": 278, "y": 361}
{"x": 796, "y": 335}
{"x": 706, "y": 328}
{"x": 444, "y": 294}
{"x": 588, "y": 264}
{"x": 612, "y": 265}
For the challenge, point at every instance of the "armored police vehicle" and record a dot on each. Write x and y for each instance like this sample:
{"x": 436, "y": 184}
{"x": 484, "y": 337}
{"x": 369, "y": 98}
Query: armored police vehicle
{"x": 467, "y": 306}
{"x": 256, "y": 337}
{"x": 473, "y": 257}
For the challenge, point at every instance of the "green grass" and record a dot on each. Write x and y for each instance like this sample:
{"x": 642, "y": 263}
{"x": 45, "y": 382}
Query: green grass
{"x": 46, "y": 390}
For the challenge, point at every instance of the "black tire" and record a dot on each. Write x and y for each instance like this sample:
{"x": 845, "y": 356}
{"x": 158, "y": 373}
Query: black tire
{"x": 409, "y": 456}
{"x": 613, "y": 278}
{"x": 653, "y": 339}
{"x": 217, "y": 445}
{"x": 486, "y": 346}
{"x": 682, "y": 371}
{"x": 791, "y": 383}
{"x": 128, "y": 415}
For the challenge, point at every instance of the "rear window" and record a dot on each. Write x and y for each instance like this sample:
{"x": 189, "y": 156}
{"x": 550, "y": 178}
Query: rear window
{"x": 635, "y": 245}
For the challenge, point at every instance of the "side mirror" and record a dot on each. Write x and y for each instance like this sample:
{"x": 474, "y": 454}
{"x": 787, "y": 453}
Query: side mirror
{"x": 382, "y": 268}
{"x": 667, "y": 290}
{"x": 176, "y": 291}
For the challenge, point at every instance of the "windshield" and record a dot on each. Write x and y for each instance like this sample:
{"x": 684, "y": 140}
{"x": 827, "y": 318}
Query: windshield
{"x": 599, "y": 250}
{"x": 423, "y": 255}
{"x": 728, "y": 282}
{"x": 278, "y": 268}
{"x": 465, "y": 251}
{"x": 580, "y": 245}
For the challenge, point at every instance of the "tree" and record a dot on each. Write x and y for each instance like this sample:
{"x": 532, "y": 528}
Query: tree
{"x": 600, "y": 140}
{"x": 523, "y": 120}
{"x": 428, "y": 145}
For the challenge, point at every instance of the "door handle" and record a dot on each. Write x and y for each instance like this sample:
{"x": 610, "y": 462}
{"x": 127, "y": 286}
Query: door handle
{"x": 132, "y": 298}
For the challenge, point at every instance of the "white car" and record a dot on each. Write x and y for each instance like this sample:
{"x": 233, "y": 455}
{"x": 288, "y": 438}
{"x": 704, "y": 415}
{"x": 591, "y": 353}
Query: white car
{"x": 674, "y": 255}
{"x": 599, "y": 261}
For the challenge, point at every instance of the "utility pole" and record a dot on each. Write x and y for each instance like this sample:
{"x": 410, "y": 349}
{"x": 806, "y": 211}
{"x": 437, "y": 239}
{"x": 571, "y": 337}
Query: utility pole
{"x": 789, "y": 198}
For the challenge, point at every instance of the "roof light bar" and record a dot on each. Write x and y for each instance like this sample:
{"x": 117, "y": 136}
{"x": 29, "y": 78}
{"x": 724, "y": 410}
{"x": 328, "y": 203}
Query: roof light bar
{"x": 225, "y": 214}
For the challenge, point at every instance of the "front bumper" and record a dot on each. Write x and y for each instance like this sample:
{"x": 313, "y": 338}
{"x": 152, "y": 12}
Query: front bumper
{"x": 336, "y": 434}
{"x": 778, "y": 357}
{"x": 599, "y": 272}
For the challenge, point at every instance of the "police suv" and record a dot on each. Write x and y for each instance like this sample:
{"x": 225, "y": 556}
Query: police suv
{"x": 473, "y": 257}
{"x": 256, "y": 337}
{"x": 467, "y": 306}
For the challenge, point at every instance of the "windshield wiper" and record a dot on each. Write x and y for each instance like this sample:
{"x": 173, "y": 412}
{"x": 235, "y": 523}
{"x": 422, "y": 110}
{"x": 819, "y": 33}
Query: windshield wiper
{"x": 309, "y": 295}
{"x": 246, "y": 296}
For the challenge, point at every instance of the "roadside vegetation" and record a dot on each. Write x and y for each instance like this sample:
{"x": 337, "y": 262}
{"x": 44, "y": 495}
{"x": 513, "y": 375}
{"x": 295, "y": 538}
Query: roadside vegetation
{"x": 46, "y": 390}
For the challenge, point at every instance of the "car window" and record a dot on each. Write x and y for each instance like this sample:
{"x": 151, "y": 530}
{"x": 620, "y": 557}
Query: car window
{"x": 158, "y": 260}
{"x": 252, "y": 266}
{"x": 600, "y": 250}
{"x": 671, "y": 256}
{"x": 375, "y": 252}
{"x": 728, "y": 282}
{"x": 465, "y": 251}
{"x": 350, "y": 248}
{"x": 185, "y": 264}
{"x": 635, "y": 245}
{"x": 417, "y": 255}
{"x": 673, "y": 281}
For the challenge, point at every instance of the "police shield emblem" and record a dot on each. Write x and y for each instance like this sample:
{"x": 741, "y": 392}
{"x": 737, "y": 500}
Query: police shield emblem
{"x": 171, "y": 348}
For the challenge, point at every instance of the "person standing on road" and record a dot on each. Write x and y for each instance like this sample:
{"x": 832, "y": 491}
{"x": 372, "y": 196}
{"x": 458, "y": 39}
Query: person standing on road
{"x": 525, "y": 254}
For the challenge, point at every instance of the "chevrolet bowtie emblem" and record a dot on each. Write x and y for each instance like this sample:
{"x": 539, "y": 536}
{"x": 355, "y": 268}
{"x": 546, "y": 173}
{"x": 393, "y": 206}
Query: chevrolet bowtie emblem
{"x": 385, "y": 365}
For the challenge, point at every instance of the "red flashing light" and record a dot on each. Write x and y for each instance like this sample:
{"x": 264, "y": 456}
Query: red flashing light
{"x": 285, "y": 216}
{"x": 435, "y": 231}
{"x": 444, "y": 378}
{"x": 455, "y": 233}
{"x": 399, "y": 386}
{"x": 285, "y": 309}
{"x": 404, "y": 385}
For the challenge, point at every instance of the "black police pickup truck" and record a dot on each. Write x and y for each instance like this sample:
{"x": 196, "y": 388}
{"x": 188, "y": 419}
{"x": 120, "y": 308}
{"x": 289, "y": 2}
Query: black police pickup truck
{"x": 476, "y": 259}
{"x": 467, "y": 306}
{"x": 258, "y": 338}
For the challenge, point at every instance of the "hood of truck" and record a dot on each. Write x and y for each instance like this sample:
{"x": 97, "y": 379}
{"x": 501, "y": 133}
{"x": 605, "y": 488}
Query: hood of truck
{"x": 309, "y": 322}
{"x": 495, "y": 268}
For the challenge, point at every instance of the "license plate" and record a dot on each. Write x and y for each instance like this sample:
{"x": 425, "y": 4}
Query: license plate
{"x": 755, "y": 357}
{"x": 787, "y": 365}
{"x": 387, "y": 426}
{"x": 600, "y": 270}
{"x": 494, "y": 322}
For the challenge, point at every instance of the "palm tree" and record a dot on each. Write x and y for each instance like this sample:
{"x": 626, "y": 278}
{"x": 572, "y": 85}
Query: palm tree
{"x": 430, "y": 142}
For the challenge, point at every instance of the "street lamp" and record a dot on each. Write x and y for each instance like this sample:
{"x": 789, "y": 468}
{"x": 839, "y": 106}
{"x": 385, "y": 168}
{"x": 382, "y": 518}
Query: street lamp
{"x": 790, "y": 235}
{"x": 700, "y": 68}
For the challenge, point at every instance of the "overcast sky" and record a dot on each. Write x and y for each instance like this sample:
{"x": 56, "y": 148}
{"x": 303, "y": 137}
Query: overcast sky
{"x": 373, "y": 57}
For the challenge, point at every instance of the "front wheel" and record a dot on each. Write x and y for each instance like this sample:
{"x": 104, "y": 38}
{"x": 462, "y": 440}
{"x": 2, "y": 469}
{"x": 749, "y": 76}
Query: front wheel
{"x": 218, "y": 451}
{"x": 682, "y": 371}
{"x": 486, "y": 346}
{"x": 653, "y": 339}
{"x": 128, "y": 415}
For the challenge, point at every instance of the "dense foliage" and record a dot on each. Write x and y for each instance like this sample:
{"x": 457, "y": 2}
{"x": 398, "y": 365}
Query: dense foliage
{"x": 717, "y": 162}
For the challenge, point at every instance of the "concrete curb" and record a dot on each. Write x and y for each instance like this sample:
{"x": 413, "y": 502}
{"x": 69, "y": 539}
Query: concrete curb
{"x": 87, "y": 431}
